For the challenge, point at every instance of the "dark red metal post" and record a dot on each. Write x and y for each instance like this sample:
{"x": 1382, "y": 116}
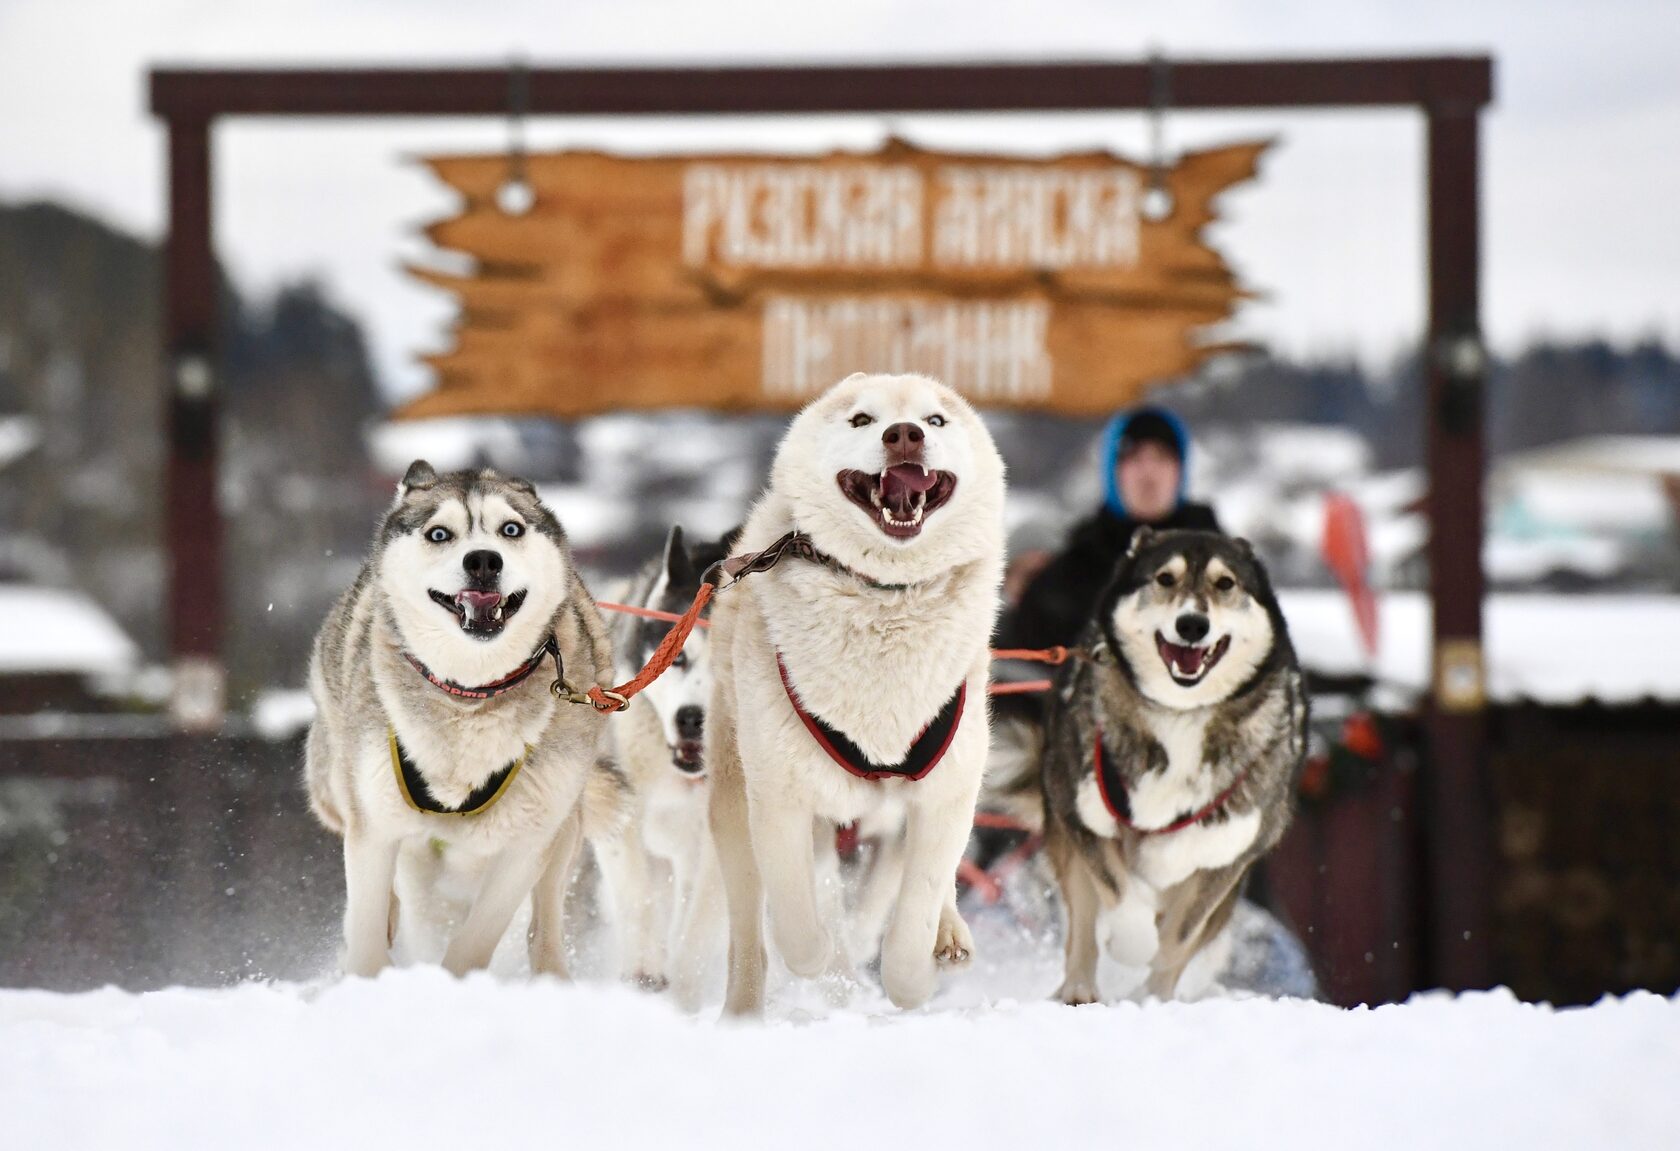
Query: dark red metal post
{"x": 1456, "y": 804}
{"x": 815, "y": 89}
{"x": 192, "y": 516}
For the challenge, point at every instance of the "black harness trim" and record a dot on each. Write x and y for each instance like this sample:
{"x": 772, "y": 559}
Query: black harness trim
{"x": 419, "y": 797}
{"x": 924, "y": 754}
{"x": 1118, "y": 799}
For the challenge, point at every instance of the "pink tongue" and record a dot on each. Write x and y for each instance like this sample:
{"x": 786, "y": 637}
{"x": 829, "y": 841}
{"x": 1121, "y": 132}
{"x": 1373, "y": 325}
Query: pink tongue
{"x": 905, "y": 477}
{"x": 478, "y": 604}
{"x": 1187, "y": 659}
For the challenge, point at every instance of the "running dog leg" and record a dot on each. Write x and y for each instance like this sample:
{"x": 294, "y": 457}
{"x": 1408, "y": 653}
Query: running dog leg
{"x": 875, "y": 901}
{"x": 370, "y": 867}
{"x": 781, "y": 841}
{"x": 625, "y": 868}
{"x": 742, "y": 887}
{"x": 1079, "y": 902}
{"x": 701, "y": 918}
{"x": 934, "y": 842}
{"x": 508, "y": 881}
{"x": 1190, "y": 921}
{"x": 547, "y": 938}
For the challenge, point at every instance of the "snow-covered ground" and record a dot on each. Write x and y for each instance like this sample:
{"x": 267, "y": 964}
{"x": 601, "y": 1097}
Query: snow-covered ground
{"x": 418, "y": 1060}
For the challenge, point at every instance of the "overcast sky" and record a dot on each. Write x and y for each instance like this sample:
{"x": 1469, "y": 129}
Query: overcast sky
{"x": 1581, "y": 154}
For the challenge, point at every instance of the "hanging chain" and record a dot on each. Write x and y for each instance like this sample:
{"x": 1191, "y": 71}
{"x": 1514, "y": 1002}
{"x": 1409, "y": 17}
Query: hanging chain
{"x": 1158, "y": 200}
{"x": 515, "y": 196}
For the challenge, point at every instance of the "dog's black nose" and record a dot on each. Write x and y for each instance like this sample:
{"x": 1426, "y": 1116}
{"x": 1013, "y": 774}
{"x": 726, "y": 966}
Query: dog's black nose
{"x": 1192, "y": 627}
{"x": 691, "y": 718}
{"x": 482, "y": 565}
{"x": 902, "y": 435}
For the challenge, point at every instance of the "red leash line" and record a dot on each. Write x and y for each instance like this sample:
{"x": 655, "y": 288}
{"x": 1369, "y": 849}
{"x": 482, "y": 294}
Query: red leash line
{"x": 1050, "y": 655}
{"x": 647, "y": 613}
{"x": 1020, "y": 687}
{"x": 1054, "y": 656}
{"x": 999, "y": 821}
{"x": 663, "y": 656}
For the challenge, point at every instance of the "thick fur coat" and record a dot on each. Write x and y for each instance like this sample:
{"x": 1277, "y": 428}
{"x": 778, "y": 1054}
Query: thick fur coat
{"x": 875, "y": 645}
{"x": 1192, "y": 689}
{"x": 469, "y": 575}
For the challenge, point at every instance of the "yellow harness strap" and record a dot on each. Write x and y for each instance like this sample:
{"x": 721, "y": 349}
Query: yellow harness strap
{"x": 410, "y": 781}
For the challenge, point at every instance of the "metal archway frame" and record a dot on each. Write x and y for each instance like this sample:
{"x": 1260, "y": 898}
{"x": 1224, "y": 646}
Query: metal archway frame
{"x": 1450, "y": 92}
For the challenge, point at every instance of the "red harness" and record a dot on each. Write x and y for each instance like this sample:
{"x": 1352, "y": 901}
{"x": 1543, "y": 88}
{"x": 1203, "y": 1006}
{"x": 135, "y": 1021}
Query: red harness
{"x": 496, "y": 686}
{"x": 1124, "y": 815}
{"x": 924, "y": 755}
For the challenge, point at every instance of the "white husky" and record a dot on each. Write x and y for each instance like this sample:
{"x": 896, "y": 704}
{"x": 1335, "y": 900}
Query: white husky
{"x": 852, "y": 674}
{"x": 662, "y": 874}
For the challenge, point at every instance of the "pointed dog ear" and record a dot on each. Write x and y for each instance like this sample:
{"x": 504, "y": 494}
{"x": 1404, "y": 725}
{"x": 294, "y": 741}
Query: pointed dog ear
{"x": 678, "y": 568}
{"x": 1140, "y": 538}
{"x": 417, "y": 478}
{"x": 1246, "y": 548}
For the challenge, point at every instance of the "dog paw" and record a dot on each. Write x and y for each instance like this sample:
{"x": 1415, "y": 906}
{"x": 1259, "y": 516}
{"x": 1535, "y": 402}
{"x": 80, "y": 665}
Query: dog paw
{"x": 650, "y": 981}
{"x": 953, "y": 946}
{"x": 366, "y": 966}
{"x": 1076, "y": 993}
{"x": 1128, "y": 933}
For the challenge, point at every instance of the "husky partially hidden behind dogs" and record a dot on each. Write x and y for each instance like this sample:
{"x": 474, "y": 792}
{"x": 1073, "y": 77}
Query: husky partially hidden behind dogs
{"x": 1168, "y": 756}
{"x": 662, "y": 873}
{"x": 851, "y": 666}
{"x": 437, "y": 744}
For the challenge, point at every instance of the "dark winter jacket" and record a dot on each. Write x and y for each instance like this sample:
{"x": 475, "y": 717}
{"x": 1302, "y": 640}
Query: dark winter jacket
{"x": 1057, "y": 604}
{"x": 1059, "y": 601}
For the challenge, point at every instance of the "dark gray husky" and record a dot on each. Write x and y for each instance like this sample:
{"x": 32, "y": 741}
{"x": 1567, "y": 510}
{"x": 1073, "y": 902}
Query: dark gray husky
{"x": 1167, "y": 754}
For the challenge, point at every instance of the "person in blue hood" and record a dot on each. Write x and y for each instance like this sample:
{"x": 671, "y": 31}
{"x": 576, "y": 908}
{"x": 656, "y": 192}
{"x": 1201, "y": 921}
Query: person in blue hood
{"x": 1145, "y": 453}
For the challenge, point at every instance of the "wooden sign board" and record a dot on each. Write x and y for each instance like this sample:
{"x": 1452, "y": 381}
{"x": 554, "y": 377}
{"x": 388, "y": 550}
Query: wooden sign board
{"x": 750, "y": 282}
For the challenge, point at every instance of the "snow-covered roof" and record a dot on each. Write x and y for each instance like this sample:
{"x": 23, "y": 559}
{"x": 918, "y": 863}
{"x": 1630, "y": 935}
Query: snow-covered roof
{"x": 48, "y": 630}
{"x": 1553, "y": 649}
{"x": 1646, "y": 455}
{"x": 447, "y": 443}
{"x": 18, "y": 437}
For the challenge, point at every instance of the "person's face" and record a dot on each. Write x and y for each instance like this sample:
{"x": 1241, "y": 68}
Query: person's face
{"x": 1148, "y": 477}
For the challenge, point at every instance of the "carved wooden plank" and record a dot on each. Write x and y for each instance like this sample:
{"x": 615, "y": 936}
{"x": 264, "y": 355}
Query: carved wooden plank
{"x": 753, "y": 282}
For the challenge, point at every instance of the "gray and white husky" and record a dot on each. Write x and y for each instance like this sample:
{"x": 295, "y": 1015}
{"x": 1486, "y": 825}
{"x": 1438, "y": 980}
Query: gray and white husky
{"x": 851, "y": 676}
{"x": 437, "y": 743}
{"x": 662, "y": 873}
{"x": 1168, "y": 756}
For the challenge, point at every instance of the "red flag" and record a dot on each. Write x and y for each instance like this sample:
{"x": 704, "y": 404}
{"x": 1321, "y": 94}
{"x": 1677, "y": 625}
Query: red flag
{"x": 1348, "y": 558}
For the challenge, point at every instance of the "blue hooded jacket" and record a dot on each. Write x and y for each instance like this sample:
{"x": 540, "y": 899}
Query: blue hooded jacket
{"x": 1115, "y": 432}
{"x": 1057, "y": 605}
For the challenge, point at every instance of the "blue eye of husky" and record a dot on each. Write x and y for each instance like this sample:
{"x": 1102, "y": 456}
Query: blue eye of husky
{"x": 513, "y": 529}
{"x": 440, "y": 535}
{"x": 936, "y": 421}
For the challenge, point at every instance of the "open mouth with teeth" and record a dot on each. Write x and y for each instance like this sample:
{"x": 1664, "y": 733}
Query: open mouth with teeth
{"x": 686, "y": 758}
{"x": 482, "y": 614}
{"x": 1189, "y": 665}
{"x": 900, "y": 498}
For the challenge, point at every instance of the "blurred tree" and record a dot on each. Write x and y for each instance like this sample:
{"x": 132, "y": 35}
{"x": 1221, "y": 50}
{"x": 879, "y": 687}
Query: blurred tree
{"x": 80, "y": 351}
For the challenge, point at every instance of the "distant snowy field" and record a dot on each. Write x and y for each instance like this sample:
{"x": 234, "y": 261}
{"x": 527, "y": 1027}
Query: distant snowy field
{"x": 418, "y": 1060}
